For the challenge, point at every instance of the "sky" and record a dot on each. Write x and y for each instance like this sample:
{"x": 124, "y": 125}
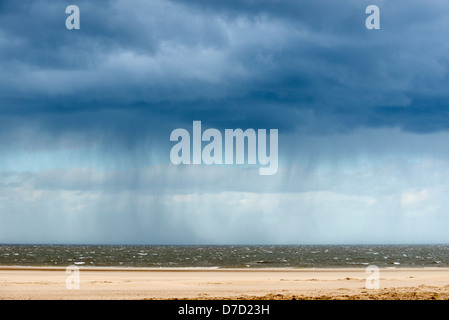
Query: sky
{"x": 86, "y": 117}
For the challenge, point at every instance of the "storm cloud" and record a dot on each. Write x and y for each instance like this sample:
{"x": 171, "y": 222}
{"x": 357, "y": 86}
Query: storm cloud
{"x": 86, "y": 115}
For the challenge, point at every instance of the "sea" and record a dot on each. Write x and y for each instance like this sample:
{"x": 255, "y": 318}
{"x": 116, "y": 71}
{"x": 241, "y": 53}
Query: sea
{"x": 217, "y": 256}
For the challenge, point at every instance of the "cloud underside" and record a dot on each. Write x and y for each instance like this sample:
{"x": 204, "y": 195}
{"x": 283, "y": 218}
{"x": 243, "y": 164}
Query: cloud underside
{"x": 313, "y": 62}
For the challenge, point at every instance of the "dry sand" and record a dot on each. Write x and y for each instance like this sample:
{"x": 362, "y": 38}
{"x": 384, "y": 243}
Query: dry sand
{"x": 113, "y": 283}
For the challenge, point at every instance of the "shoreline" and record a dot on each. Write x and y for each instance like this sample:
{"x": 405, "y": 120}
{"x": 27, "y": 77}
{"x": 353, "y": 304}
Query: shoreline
{"x": 219, "y": 269}
{"x": 110, "y": 283}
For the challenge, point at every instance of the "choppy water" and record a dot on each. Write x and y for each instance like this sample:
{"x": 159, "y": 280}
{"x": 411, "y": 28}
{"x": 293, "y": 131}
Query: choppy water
{"x": 226, "y": 256}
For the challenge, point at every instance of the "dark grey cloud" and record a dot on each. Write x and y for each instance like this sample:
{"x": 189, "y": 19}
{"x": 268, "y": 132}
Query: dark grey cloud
{"x": 309, "y": 66}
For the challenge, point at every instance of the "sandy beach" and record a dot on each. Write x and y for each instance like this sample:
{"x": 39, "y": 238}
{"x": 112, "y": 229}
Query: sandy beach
{"x": 269, "y": 284}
